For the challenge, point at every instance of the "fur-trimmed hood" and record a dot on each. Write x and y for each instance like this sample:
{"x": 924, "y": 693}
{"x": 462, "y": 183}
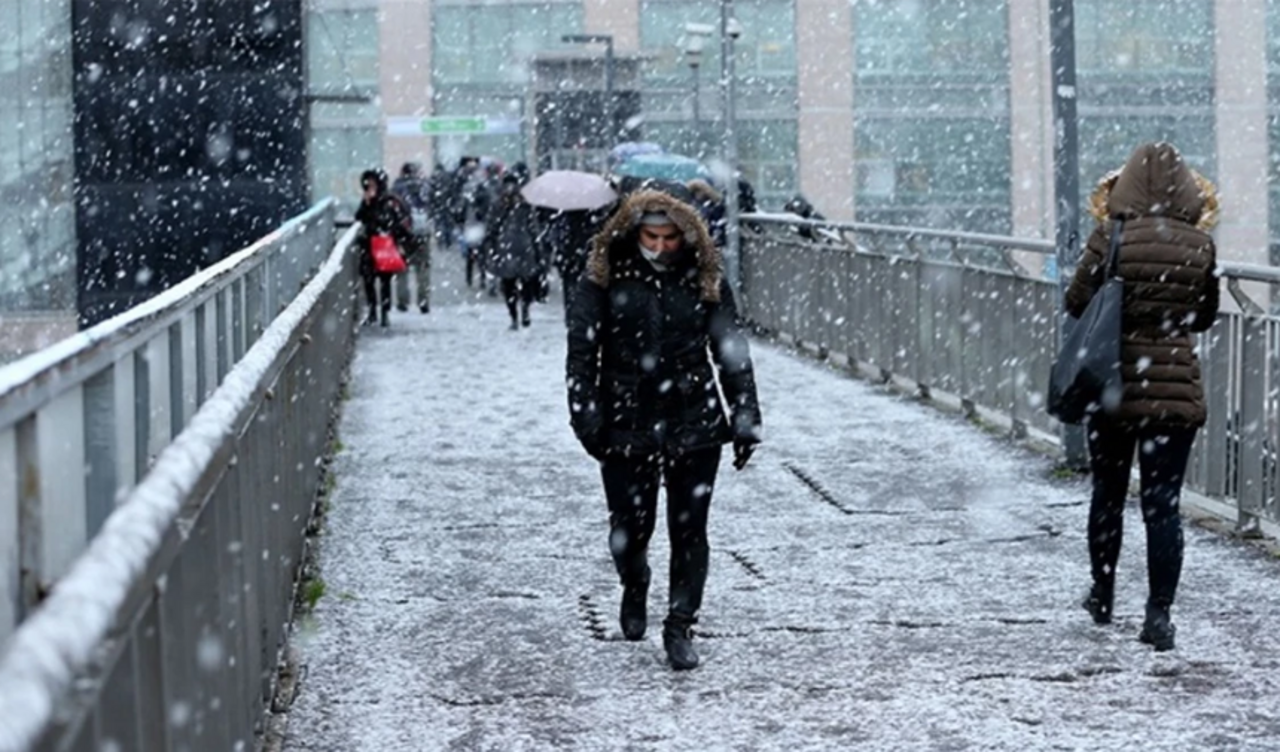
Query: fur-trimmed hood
{"x": 1156, "y": 181}
{"x": 620, "y": 238}
{"x": 704, "y": 191}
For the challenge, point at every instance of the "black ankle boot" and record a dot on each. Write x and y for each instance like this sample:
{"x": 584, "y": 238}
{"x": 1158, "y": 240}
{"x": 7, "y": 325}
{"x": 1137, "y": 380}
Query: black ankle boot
{"x": 1157, "y": 629}
{"x": 677, "y": 638}
{"x": 634, "y": 614}
{"x": 1098, "y": 603}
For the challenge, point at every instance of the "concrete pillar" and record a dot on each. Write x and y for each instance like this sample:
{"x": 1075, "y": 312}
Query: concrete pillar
{"x": 824, "y": 62}
{"x": 404, "y": 49}
{"x": 1240, "y": 104}
{"x": 621, "y": 18}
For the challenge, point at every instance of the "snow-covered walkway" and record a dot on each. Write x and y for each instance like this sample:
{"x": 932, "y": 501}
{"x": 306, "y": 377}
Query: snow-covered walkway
{"x": 884, "y": 576}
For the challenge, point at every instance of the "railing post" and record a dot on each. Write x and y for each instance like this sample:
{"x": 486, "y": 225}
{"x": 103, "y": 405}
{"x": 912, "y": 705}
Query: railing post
{"x": 10, "y": 555}
{"x": 1066, "y": 183}
{"x": 1253, "y": 420}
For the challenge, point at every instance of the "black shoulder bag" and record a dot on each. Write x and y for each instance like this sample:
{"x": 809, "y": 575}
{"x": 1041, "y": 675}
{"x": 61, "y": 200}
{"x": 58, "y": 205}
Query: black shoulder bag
{"x": 1085, "y": 378}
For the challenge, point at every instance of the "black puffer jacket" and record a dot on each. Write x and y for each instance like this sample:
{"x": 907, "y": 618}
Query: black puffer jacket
{"x": 511, "y": 250}
{"x": 646, "y": 347}
{"x": 388, "y": 214}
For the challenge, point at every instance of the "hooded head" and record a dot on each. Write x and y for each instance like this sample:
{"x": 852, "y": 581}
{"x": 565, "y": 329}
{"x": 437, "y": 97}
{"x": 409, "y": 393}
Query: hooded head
{"x": 620, "y": 238}
{"x": 375, "y": 177}
{"x": 1156, "y": 182}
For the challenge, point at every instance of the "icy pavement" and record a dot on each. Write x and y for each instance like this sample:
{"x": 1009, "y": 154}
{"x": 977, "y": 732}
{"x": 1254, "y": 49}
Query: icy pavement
{"x": 883, "y": 576}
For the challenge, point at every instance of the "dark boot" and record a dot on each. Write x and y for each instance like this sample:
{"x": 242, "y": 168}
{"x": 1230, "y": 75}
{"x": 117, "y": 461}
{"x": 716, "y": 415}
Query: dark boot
{"x": 1099, "y": 603}
{"x": 677, "y": 638}
{"x": 373, "y": 315}
{"x": 386, "y": 315}
{"x": 1157, "y": 629}
{"x": 634, "y": 614}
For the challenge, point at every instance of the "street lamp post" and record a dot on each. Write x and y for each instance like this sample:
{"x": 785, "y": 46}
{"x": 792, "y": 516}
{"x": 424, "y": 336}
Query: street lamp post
{"x": 607, "y": 40}
{"x": 1066, "y": 183}
{"x": 693, "y": 52}
{"x": 730, "y": 29}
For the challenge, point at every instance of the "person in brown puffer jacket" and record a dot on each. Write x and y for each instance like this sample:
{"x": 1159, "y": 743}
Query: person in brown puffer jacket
{"x": 1167, "y": 261}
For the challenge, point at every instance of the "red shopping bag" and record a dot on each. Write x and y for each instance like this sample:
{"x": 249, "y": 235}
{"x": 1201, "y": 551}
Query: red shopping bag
{"x": 386, "y": 257}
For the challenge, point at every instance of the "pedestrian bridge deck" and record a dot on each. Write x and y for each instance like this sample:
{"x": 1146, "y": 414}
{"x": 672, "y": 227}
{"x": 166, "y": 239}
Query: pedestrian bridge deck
{"x": 883, "y": 574}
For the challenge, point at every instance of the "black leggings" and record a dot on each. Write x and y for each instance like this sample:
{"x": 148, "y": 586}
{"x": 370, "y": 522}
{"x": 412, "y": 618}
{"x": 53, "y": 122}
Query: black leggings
{"x": 631, "y": 488}
{"x": 522, "y": 290}
{"x": 1162, "y": 463}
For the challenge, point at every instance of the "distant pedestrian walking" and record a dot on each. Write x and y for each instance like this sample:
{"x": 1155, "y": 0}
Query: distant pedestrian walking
{"x": 511, "y": 251}
{"x": 381, "y": 213}
{"x": 414, "y": 191}
{"x": 1166, "y": 261}
{"x": 652, "y": 329}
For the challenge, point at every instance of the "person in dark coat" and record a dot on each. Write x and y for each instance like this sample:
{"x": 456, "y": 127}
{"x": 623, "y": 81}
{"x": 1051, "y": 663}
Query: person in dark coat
{"x": 567, "y": 237}
{"x": 1167, "y": 260}
{"x": 381, "y": 211}
{"x": 440, "y": 206}
{"x": 511, "y": 251}
{"x": 413, "y": 190}
{"x": 801, "y": 207}
{"x": 710, "y": 204}
{"x": 652, "y": 331}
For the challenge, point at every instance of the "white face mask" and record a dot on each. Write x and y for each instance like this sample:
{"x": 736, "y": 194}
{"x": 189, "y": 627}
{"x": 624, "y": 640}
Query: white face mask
{"x": 653, "y": 257}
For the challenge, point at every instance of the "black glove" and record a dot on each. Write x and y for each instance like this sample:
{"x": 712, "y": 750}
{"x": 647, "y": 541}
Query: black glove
{"x": 742, "y": 451}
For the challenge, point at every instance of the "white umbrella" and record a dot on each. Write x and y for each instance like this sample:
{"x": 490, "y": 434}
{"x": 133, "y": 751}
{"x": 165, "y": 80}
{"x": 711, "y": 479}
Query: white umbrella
{"x": 568, "y": 190}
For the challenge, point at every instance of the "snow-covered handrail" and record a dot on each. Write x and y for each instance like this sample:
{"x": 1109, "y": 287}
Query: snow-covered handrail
{"x": 1035, "y": 245}
{"x": 61, "y": 642}
{"x": 944, "y": 320}
{"x": 82, "y": 420}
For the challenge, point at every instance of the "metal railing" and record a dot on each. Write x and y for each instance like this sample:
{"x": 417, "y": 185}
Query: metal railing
{"x": 960, "y": 315}
{"x": 215, "y": 398}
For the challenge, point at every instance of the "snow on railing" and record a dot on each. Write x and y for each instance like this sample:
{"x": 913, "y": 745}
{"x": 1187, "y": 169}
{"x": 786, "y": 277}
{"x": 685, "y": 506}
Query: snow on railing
{"x": 82, "y": 420}
{"x": 957, "y": 315}
{"x": 106, "y": 594}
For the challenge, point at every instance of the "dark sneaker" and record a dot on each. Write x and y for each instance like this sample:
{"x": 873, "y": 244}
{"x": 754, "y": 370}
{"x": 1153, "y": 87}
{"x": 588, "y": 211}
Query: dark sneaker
{"x": 1098, "y": 603}
{"x": 424, "y": 307}
{"x": 1157, "y": 629}
{"x": 677, "y": 639}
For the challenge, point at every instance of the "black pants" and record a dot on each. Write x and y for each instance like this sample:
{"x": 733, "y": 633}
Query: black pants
{"x": 520, "y": 290}
{"x": 1162, "y": 463}
{"x": 631, "y": 488}
{"x": 569, "y": 283}
{"x": 371, "y": 279}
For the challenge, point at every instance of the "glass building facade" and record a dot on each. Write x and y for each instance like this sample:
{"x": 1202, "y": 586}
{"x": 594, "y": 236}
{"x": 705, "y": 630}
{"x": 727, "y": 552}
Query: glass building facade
{"x": 931, "y": 113}
{"x": 481, "y": 55}
{"x": 37, "y": 218}
{"x": 766, "y": 86}
{"x": 1145, "y": 72}
{"x": 1273, "y": 125}
{"x": 344, "y": 118}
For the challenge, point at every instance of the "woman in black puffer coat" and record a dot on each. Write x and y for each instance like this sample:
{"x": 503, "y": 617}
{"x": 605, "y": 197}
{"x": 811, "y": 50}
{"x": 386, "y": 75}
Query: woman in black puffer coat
{"x": 652, "y": 329}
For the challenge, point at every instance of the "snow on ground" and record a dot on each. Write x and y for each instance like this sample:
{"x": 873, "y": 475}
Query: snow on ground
{"x": 883, "y": 576}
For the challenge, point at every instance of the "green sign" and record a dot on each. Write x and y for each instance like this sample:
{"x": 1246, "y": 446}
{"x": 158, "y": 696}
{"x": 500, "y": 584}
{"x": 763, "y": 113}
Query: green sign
{"x": 436, "y": 126}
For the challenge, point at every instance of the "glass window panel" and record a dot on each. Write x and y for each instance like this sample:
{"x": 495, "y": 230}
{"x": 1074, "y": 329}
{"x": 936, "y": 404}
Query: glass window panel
{"x": 931, "y": 125}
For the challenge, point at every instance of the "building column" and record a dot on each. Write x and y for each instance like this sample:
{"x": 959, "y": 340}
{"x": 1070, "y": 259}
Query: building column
{"x": 825, "y": 72}
{"x": 404, "y": 60}
{"x": 1030, "y": 123}
{"x": 1240, "y": 104}
{"x": 619, "y": 18}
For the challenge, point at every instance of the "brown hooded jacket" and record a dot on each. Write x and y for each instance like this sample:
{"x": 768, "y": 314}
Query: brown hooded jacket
{"x": 1167, "y": 262}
